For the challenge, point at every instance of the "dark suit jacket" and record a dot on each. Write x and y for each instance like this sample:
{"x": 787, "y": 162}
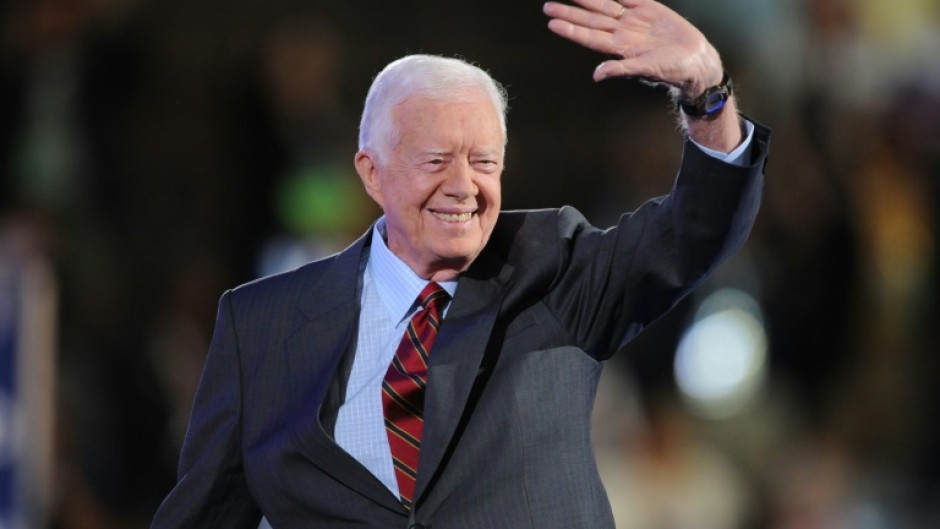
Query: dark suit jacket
{"x": 511, "y": 379}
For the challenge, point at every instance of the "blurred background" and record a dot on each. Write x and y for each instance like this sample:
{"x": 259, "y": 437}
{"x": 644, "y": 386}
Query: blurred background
{"x": 153, "y": 154}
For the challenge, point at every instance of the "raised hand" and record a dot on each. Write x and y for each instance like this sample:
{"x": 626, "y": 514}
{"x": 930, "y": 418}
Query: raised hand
{"x": 647, "y": 39}
{"x": 651, "y": 42}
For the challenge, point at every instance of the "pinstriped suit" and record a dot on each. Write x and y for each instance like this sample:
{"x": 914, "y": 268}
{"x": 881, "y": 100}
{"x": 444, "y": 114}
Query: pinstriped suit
{"x": 511, "y": 381}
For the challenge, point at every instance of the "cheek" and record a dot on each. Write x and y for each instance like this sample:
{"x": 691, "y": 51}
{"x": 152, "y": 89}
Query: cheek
{"x": 405, "y": 206}
{"x": 492, "y": 192}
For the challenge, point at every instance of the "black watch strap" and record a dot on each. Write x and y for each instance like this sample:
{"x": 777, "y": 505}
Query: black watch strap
{"x": 710, "y": 102}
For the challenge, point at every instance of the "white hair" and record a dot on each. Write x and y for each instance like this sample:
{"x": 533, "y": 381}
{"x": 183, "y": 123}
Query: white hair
{"x": 429, "y": 76}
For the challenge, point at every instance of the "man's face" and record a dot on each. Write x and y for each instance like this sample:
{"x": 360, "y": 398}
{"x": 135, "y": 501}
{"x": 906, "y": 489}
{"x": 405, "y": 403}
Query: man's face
{"x": 440, "y": 184}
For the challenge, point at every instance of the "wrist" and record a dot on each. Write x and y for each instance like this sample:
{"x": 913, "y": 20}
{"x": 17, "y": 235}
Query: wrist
{"x": 708, "y": 102}
{"x": 697, "y": 86}
{"x": 720, "y": 132}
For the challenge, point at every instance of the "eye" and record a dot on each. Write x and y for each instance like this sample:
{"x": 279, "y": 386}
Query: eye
{"x": 434, "y": 163}
{"x": 486, "y": 164}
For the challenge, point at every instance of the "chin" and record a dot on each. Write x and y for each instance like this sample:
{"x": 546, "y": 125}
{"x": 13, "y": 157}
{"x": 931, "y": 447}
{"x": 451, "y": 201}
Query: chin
{"x": 455, "y": 260}
{"x": 455, "y": 252}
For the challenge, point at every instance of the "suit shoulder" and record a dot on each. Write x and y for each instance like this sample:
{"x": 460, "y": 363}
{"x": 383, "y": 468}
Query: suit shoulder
{"x": 282, "y": 285}
{"x": 536, "y": 242}
{"x": 526, "y": 235}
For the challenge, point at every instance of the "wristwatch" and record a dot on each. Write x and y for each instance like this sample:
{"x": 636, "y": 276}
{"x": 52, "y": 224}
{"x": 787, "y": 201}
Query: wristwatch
{"x": 710, "y": 102}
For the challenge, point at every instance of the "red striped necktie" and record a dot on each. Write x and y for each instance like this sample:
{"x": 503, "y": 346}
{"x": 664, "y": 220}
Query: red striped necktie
{"x": 403, "y": 389}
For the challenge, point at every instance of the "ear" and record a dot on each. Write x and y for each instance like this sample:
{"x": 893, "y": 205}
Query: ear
{"x": 367, "y": 167}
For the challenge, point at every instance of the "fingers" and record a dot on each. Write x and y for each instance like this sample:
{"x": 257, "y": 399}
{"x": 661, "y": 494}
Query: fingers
{"x": 623, "y": 68}
{"x": 586, "y": 18}
{"x": 591, "y": 29}
{"x": 649, "y": 41}
{"x": 609, "y": 7}
{"x": 595, "y": 39}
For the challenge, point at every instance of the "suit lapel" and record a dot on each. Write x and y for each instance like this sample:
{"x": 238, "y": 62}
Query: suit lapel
{"x": 330, "y": 307}
{"x": 455, "y": 362}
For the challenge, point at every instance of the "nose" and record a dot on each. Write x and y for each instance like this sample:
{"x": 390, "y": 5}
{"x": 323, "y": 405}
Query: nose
{"x": 460, "y": 182}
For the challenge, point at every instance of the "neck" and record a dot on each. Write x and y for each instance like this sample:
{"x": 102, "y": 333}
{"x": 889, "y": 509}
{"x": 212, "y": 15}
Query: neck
{"x": 444, "y": 275}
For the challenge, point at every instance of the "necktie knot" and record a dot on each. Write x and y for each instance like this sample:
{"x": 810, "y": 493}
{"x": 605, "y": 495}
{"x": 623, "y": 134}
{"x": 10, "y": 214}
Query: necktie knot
{"x": 433, "y": 298}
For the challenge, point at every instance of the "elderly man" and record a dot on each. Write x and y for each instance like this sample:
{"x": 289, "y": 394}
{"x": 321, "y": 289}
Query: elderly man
{"x": 440, "y": 372}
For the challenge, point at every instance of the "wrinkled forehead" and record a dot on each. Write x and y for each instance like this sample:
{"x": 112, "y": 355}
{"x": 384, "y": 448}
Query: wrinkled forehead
{"x": 469, "y": 111}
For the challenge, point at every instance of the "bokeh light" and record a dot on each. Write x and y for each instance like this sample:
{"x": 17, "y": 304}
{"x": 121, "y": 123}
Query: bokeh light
{"x": 721, "y": 360}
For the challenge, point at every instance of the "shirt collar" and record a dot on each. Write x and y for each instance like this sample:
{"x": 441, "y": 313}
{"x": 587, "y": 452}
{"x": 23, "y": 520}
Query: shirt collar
{"x": 397, "y": 284}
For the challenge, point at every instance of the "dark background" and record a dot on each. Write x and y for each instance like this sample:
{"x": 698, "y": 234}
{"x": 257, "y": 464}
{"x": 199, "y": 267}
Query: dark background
{"x": 157, "y": 153}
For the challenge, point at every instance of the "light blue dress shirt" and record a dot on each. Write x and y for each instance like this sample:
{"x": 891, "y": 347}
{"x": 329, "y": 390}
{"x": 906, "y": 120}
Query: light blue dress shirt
{"x": 389, "y": 298}
{"x": 738, "y": 155}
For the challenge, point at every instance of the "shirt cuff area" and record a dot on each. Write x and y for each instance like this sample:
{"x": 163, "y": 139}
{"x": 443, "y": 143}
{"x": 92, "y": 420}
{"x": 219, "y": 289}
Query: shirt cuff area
{"x": 739, "y": 154}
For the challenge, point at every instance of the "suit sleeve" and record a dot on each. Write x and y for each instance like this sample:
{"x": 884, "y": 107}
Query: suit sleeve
{"x": 612, "y": 283}
{"x": 211, "y": 489}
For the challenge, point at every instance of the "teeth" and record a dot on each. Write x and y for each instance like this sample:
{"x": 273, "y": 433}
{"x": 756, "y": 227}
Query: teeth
{"x": 453, "y": 217}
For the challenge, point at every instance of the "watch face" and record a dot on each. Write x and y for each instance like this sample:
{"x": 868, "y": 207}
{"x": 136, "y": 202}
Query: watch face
{"x": 710, "y": 102}
{"x": 715, "y": 101}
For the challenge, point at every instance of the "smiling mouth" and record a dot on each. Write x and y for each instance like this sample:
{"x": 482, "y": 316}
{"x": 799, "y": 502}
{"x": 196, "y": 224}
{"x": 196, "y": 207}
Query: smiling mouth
{"x": 453, "y": 217}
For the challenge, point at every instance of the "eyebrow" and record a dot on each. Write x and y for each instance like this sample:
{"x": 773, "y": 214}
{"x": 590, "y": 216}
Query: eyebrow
{"x": 487, "y": 152}
{"x": 447, "y": 152}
